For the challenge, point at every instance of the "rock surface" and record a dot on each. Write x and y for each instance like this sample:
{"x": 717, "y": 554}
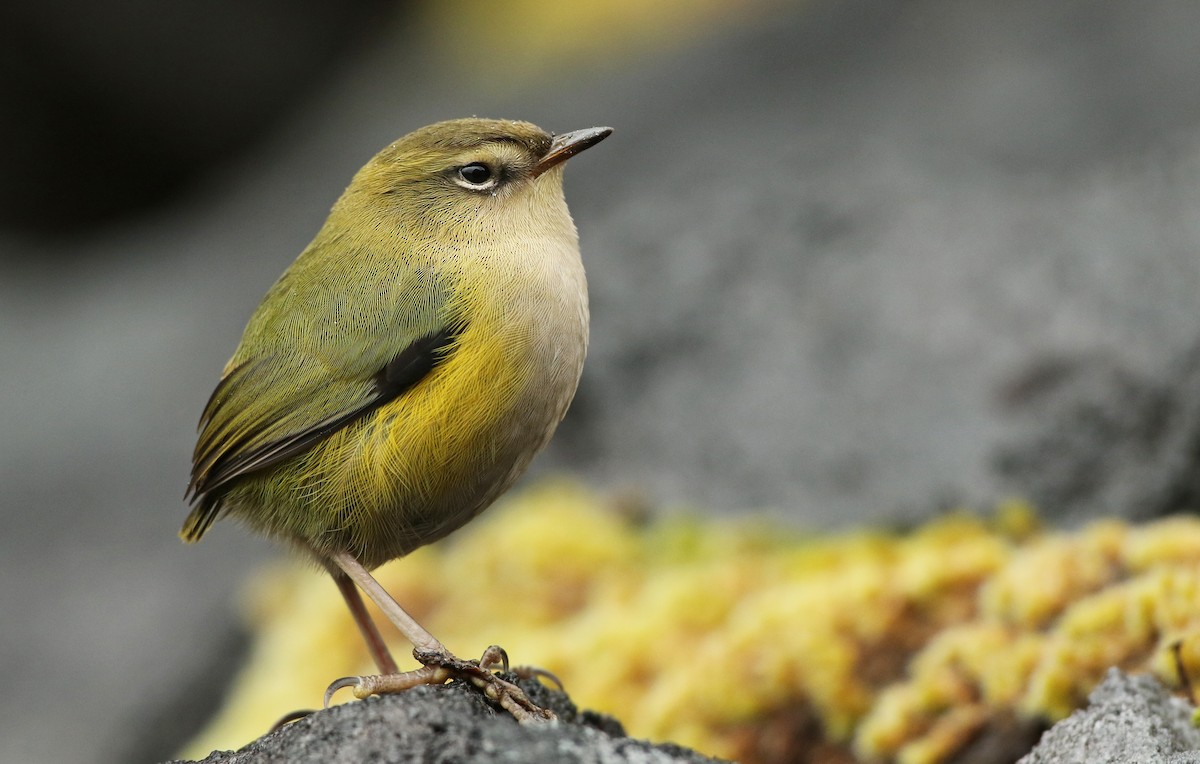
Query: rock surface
{"x": 451, "y": 724}
{"x": 1129, "y": 720}
{"x": 1102, "y": 438}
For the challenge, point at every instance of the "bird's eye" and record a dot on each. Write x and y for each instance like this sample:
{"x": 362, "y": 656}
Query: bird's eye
{"x": 476, "y": 174}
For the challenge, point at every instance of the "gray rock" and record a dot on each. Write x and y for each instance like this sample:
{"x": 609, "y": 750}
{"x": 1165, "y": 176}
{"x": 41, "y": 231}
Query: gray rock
{"x": 1103, "y": 439}
{"x": 452, "y": 724}
{"x": 1129, "y": 720}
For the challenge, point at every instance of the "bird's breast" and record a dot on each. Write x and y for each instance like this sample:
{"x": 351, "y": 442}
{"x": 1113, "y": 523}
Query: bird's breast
{"x": 447, "y": 447}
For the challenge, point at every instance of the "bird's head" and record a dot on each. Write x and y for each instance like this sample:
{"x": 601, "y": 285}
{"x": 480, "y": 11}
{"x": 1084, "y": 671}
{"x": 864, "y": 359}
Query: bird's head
{"x": 467, "y": 168}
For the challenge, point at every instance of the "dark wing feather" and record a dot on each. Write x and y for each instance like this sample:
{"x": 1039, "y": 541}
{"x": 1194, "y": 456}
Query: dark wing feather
{"x": 232, "y": 447}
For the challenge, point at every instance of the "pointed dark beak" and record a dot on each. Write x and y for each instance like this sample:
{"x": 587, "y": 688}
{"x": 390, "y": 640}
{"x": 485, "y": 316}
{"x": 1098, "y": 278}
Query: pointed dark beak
{"x": 568, "y": 145}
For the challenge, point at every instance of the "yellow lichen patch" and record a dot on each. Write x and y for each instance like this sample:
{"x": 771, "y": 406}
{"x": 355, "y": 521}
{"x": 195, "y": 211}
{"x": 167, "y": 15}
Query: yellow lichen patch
{"x": 748, "y": 641}
{"x": 964, "y": 668}
{"x": 1016, "y": 519}
{"x": 946, "y": 735}
{"x": 1048, "y": 574}
{"x": 539, "y": 36}
{"x": 1176, "y": 662}
{"x": 1127, "y": 625}
{"x": 1173, "y": 540}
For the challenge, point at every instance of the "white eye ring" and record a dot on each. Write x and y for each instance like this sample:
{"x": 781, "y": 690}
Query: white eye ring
{"x": 475, "y": 176}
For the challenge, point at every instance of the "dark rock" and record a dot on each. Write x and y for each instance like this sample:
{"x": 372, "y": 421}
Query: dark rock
{"x": 1103, "y": 439}
{"x": 452, "y": 724}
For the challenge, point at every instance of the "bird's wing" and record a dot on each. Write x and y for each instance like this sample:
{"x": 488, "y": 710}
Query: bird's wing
{"x": 309, "y": 364}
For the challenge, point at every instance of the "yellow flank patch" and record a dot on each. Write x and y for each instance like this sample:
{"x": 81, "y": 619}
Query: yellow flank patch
{"x": 378, "y": 475}
{"x": 748, "y": 641}
{"x": 431, "y": 433}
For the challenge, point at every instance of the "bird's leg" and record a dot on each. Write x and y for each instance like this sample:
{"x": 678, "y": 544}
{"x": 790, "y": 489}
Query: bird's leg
{"x": 422, "y": 640}
{"x": 366, "y": 626}
{"x": 438, "y": 664}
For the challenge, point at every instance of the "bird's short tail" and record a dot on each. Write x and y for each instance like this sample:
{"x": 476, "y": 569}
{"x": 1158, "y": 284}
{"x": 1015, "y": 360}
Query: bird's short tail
{"x": 202, "y": 516}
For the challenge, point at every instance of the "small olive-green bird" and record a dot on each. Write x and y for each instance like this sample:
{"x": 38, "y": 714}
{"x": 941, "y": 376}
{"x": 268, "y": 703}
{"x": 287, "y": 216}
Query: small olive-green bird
{"x": 405, "y": 369}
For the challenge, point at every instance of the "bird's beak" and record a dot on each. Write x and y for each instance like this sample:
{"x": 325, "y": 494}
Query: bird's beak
{"x": 568, "y": 145}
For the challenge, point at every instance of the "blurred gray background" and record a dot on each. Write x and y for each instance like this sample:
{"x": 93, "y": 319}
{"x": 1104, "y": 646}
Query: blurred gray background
{"x": 851, "y": 262}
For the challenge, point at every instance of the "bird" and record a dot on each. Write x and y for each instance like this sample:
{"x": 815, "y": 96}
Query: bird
{"x": 403, "y": 372}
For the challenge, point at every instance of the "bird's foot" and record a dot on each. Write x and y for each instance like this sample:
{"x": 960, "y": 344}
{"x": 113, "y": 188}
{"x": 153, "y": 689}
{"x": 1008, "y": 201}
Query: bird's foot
{"x": 291, "y": 716}
{"x": 439, "y": 667}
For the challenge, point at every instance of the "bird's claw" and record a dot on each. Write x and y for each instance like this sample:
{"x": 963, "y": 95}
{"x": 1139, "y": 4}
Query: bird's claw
{"x": 496, "y": 656}
{"x": 337, "y": 684}
{"x": 492, "y": 657}
{"x": 533, "y": 672}
{"x": 439, "y": 667}
{"x": 293, "y": 716}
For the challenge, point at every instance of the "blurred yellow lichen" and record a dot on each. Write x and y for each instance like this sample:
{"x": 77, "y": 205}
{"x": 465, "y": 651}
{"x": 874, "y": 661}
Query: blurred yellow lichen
{"x": 540, "y": 37}
{"x": 745, "y": 640}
